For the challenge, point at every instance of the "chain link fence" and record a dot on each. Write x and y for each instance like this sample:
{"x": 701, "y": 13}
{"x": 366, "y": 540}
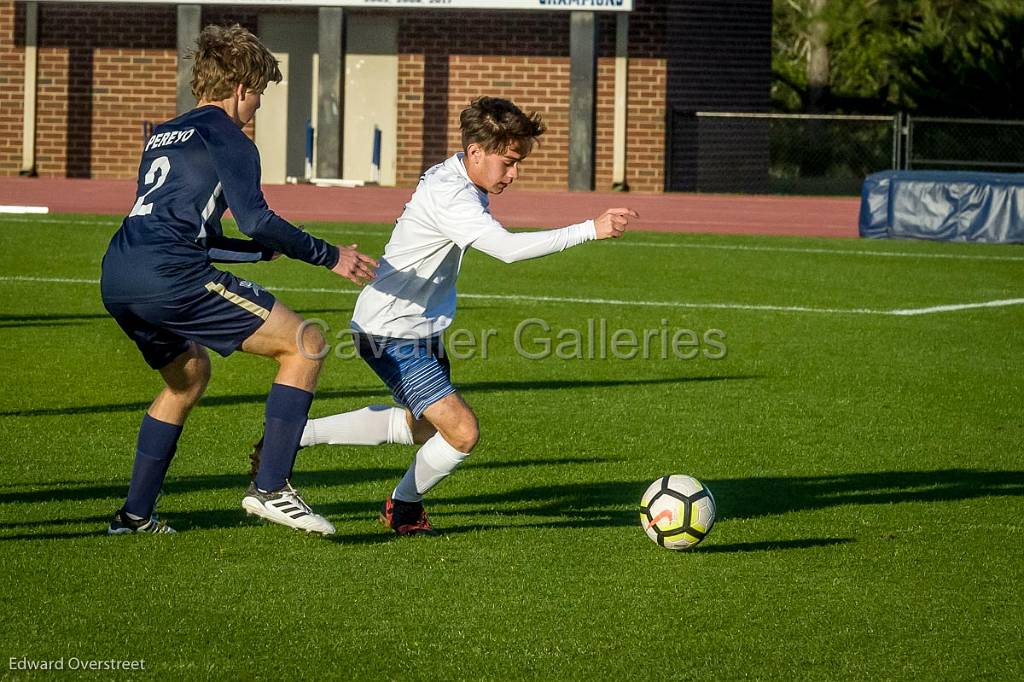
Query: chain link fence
{"x": 827, "y": 154}
{"x": 963, "y": 144}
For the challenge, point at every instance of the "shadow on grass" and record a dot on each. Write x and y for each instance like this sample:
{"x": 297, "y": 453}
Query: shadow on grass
{"x": 55, "y": 320}
{"x": 75, "y": 491}
{"x": 755, "y": 497}
{"x": 48, "y": 317}
{"x": 773, "y": 545}
{"x": 102, "y": 532}
{"x": 379, "y": 392}
{"x": 568, "y": 505}
{"x": 27, "y": 325}
{"x": 743, "y": 498}
{"x": 384, "y": 536}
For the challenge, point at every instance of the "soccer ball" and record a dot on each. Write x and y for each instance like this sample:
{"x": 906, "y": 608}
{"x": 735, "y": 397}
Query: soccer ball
{"x": 677, "y": 512}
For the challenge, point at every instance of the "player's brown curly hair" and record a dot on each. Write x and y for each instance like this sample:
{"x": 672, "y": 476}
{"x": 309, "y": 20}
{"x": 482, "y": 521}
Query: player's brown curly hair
{"x": 498, "y": 124}
{"x": 226, "y": 56}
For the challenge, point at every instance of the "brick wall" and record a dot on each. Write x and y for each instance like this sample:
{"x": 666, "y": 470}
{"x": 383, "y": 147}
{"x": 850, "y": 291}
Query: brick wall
{"x": 408, "y": 161}
{"x": 645, "y": 125}
{"x": 104, "y": 69}
{"x": 534, "y": 84}
{"x": 12, "y": 73}
{"x": 527, "y": 62}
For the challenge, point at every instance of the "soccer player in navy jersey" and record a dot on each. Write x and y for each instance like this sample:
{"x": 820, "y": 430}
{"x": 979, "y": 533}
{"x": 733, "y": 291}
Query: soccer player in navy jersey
{"x": 159, "y": 285}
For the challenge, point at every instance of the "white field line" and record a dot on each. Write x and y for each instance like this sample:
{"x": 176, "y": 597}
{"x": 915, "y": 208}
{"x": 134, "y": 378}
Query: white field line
{"x": 57, "y": 220}
{"x": 49, "y": 280}
{"x": 114, "y": 222}
{"x": 675, "y": 304}
{"x": 839, "y": 252}
{"x": 773, "y": 249}
{"x": 36, "y": 210}
{"x": 901, "y": 312}
{"x": 957, "y": 307}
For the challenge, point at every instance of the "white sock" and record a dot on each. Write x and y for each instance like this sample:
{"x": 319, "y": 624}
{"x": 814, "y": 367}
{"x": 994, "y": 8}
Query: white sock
{"x": 371, "y": 425}
{"x": 433, "y": 462}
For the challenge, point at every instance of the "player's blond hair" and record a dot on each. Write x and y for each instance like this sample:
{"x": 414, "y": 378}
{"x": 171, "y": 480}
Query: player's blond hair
{"x": 226, "y": 56}
{"x": 498, "y": 124}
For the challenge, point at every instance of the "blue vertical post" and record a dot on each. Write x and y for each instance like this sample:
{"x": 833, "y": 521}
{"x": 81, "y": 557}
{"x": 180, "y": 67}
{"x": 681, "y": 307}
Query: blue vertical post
{"x": 309, "y": 149}
{"x": 375, "y": 162}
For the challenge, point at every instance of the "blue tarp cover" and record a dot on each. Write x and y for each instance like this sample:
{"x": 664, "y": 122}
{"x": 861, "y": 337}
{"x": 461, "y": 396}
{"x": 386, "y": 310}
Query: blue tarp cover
{"x": 943, "y": 205}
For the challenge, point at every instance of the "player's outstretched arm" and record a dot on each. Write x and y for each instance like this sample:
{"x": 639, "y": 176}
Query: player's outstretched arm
{"x": 237, "y": 164}
{"x": 612, "y": 223}
{"x": 510, "y": 247}
{"x": 355, "y": 266}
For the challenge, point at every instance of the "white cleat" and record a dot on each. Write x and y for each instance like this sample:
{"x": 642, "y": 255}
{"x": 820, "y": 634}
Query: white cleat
{"x": 286, "y": 507}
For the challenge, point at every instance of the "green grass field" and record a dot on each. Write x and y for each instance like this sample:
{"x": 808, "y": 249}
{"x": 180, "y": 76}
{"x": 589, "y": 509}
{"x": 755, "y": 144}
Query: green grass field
{"x": 867, "y": 467}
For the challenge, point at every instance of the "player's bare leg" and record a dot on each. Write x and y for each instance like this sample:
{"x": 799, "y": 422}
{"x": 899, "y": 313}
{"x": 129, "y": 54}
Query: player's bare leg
{"x": 454, "y": 419}
{"x": 421, "y": 429}
{"x": 298, "y": 350}
{"x": 186, "y": 379}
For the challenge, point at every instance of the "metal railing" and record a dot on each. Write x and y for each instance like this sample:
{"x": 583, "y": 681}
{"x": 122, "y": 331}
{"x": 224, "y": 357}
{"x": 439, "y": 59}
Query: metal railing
{"x": 826, "y": 154}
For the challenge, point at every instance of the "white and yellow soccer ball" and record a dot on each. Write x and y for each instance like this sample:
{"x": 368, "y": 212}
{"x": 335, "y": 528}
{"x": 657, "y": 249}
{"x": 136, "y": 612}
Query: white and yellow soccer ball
{"x": 677, "y": 511}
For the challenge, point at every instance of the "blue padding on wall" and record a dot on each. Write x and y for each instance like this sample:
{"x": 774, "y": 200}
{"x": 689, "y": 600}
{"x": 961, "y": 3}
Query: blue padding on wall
{"x": 943, "y": 205}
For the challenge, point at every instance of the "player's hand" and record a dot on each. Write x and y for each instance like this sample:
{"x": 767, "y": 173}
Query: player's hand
{"x": 612, "y": 223}
{"x": 355, "y": 266}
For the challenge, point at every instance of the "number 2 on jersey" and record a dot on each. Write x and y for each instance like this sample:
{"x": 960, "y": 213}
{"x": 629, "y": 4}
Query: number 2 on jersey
{"x": 160, "y": 165}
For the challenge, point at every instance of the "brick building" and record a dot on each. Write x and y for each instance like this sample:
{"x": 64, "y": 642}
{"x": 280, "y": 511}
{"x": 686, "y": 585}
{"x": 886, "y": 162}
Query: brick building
{"x": 103, "y": 70}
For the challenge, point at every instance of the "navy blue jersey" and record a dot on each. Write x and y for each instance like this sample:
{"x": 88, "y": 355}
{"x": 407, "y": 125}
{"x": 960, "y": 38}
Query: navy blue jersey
{"x": 193, "y": 169}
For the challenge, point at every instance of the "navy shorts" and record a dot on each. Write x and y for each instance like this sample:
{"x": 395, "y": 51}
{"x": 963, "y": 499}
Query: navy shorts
{"x": 416, "y": 371}
{"x": 224, "y": 313}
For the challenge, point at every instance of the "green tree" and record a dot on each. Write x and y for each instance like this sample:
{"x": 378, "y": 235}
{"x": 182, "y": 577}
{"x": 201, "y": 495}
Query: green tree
{"x": 978, "y": 72}
{"x": 947, "y": 57}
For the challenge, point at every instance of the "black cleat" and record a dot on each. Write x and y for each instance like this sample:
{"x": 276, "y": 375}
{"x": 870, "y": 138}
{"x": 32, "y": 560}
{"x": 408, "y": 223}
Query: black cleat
{"x": 122, "y": 524}
{"x": 406, "y": 518}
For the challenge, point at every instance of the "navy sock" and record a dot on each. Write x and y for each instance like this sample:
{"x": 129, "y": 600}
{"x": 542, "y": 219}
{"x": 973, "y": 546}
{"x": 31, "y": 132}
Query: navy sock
{"x": 153, "y": 453}
{"x": 286, "y": 415}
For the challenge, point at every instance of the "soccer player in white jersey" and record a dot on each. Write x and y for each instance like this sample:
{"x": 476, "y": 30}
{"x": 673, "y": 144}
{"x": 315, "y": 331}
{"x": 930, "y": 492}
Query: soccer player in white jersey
{"x": 399, "y": 318}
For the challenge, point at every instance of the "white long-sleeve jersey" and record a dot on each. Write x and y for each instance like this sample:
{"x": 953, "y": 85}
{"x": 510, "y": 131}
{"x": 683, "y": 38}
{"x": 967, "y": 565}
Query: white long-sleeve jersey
{"x": 413, "y": 295}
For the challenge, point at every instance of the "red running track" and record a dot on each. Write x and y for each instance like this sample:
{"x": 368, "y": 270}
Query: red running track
{"x": 718, "y": 213}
